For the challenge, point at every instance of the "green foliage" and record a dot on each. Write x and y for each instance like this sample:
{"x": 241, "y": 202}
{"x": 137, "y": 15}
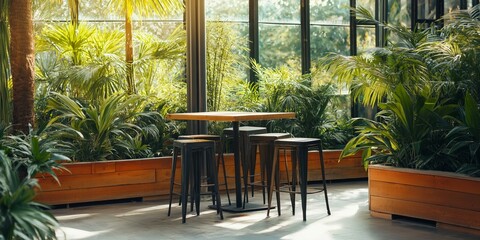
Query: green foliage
{"x": 409, "y": 133}
{"x": 20, "y": 217}
{"x": 429, "y": 120}
{"x": 284, "y": 89}
{"x": 98, "y": 131}
{"x": 160, "y": 63}
{"x": 376, "y": 73}
{"x": 36, "y": 152}
{"x": 80, "y": 61}
{"x": 223, "y": 44}
{"x": 463, "y": 141}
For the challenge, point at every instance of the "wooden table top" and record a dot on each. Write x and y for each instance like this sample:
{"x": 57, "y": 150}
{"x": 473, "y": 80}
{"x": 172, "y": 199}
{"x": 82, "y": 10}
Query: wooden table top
{"x": 231, "y": 116}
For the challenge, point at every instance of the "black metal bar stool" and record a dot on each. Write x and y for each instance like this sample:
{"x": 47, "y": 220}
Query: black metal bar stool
{"x": 265, "y": 144}
{"x": 299, "y": 148}
{"x": 192, "y": 151}
{"x": 220, "y": 158}
{"x": 244, "y": 132}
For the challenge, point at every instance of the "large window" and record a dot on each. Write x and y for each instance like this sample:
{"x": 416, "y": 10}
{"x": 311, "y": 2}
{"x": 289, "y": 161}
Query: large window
{"x": 279, "y": 28}
{"x": 329, "y": 27}
{"x": 279, "y": 31}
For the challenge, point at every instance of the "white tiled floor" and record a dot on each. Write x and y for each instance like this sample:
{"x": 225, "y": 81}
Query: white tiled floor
{"x": 350, "y": 220}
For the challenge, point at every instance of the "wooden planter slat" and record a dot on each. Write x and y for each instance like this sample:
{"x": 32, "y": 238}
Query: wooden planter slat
{"x": 425, "y": 195}
{"x": 100, "y": 180}
{"x": 437, "y": 213}
{"x": 431, "y": 179}
{"x": 109, "y": 180}
{"x": 102, "y": 193}
{"x": 448, "y": 199}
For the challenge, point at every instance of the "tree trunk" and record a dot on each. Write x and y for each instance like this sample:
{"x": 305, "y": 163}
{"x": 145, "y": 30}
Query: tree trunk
{"x": 22, "y": 61}
{"x": 5, "y": 116}
{"x": 129, "y": 47}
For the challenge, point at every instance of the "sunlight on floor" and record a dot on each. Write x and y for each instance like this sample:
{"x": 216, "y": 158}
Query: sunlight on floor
{"x": 143, "y": 210}
{"x": 78, "y": 233}
{"x": 74, "y": 216}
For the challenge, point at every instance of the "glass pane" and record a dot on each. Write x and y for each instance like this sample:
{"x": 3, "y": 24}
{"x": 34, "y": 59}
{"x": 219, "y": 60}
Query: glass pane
{"x": 50, "y": 10}
{"x": 226, "y": 10}
{"x": 327, "y": 39}
{"x": 427, "y": 9}
{"x": 365, "y": 38}
{"x": 287, "y": 11}
{"x": 98, "y": 10}
{"x": 399, "y": 12}
{"x": 368, "y": 4}
{"x": 161, "y": 30}
{"x": 451, "y": 5}
{"x": 329, "y": 12}
{"x": 470, "y": 3}
{"x": 279, "y": 44}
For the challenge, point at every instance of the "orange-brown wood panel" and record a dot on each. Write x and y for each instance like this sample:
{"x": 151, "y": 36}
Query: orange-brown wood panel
{"x": 103, "y": 167}
{"x": 74, "y": 168}
{"x": 425, "y": 195}
{"x": 98, "y": 180}
{"x": 113, "y": 176}
{"x": 431, "y": 179}
{"x": 143, "y": 164}
{"x": 449, "y": 215}
{"x": 102, "y": 193}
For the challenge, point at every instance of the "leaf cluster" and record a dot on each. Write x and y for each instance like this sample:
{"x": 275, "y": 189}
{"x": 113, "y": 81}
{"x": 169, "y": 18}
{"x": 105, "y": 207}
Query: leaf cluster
{"x": 427, "y": 87}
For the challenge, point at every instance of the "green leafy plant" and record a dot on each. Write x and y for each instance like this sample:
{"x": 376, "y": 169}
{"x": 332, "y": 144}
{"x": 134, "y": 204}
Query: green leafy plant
{"x": 20, "y": 216}
{"x": 285, "y": 89}
{"x": 464, "y": 139}
{"x": 97, "y": 131}
{"x": 419, "y": 82}
{"x": 36, "y": 152}
{"x": 225, "y": 51}
{"x": 409, "y": 133}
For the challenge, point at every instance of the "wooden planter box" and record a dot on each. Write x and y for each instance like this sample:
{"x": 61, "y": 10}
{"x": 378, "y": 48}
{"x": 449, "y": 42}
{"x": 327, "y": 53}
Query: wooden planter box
{"x": 121, "y": 179}
{"x": 451, "y": 200}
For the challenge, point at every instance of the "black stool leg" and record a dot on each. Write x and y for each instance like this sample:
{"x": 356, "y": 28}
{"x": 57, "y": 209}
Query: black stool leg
{"x": 303, "y": 160}
{"x": 185, "y": 181}
{"x": 252, "y": 155}
{"x": 272, "y": 179}
{"x": 264, "y": 158}
{"x": 322, "y": 163}
{"x": 294, "y": 181}
{"x": 172, "y": 178}
{"x": 210, "y": 158}
{"x": 197, "y": 162}
{"x": 222, "y": 158}
{"x": 276, "y": 169}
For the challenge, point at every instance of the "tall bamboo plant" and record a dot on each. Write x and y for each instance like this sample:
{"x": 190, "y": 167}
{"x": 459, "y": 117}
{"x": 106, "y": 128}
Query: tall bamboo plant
{"x": 222, "y": 61}
{"x": 4, "y": 65}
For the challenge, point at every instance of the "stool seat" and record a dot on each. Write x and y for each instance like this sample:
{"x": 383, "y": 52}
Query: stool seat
{"x": 299, "y": 148}
{"x": 192, "y": 143}
{"x": 249, "y": 129}
{"x": 261, "y": 137}
{"x": 201, "y": 136}
{"x": 297, "y": 141}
